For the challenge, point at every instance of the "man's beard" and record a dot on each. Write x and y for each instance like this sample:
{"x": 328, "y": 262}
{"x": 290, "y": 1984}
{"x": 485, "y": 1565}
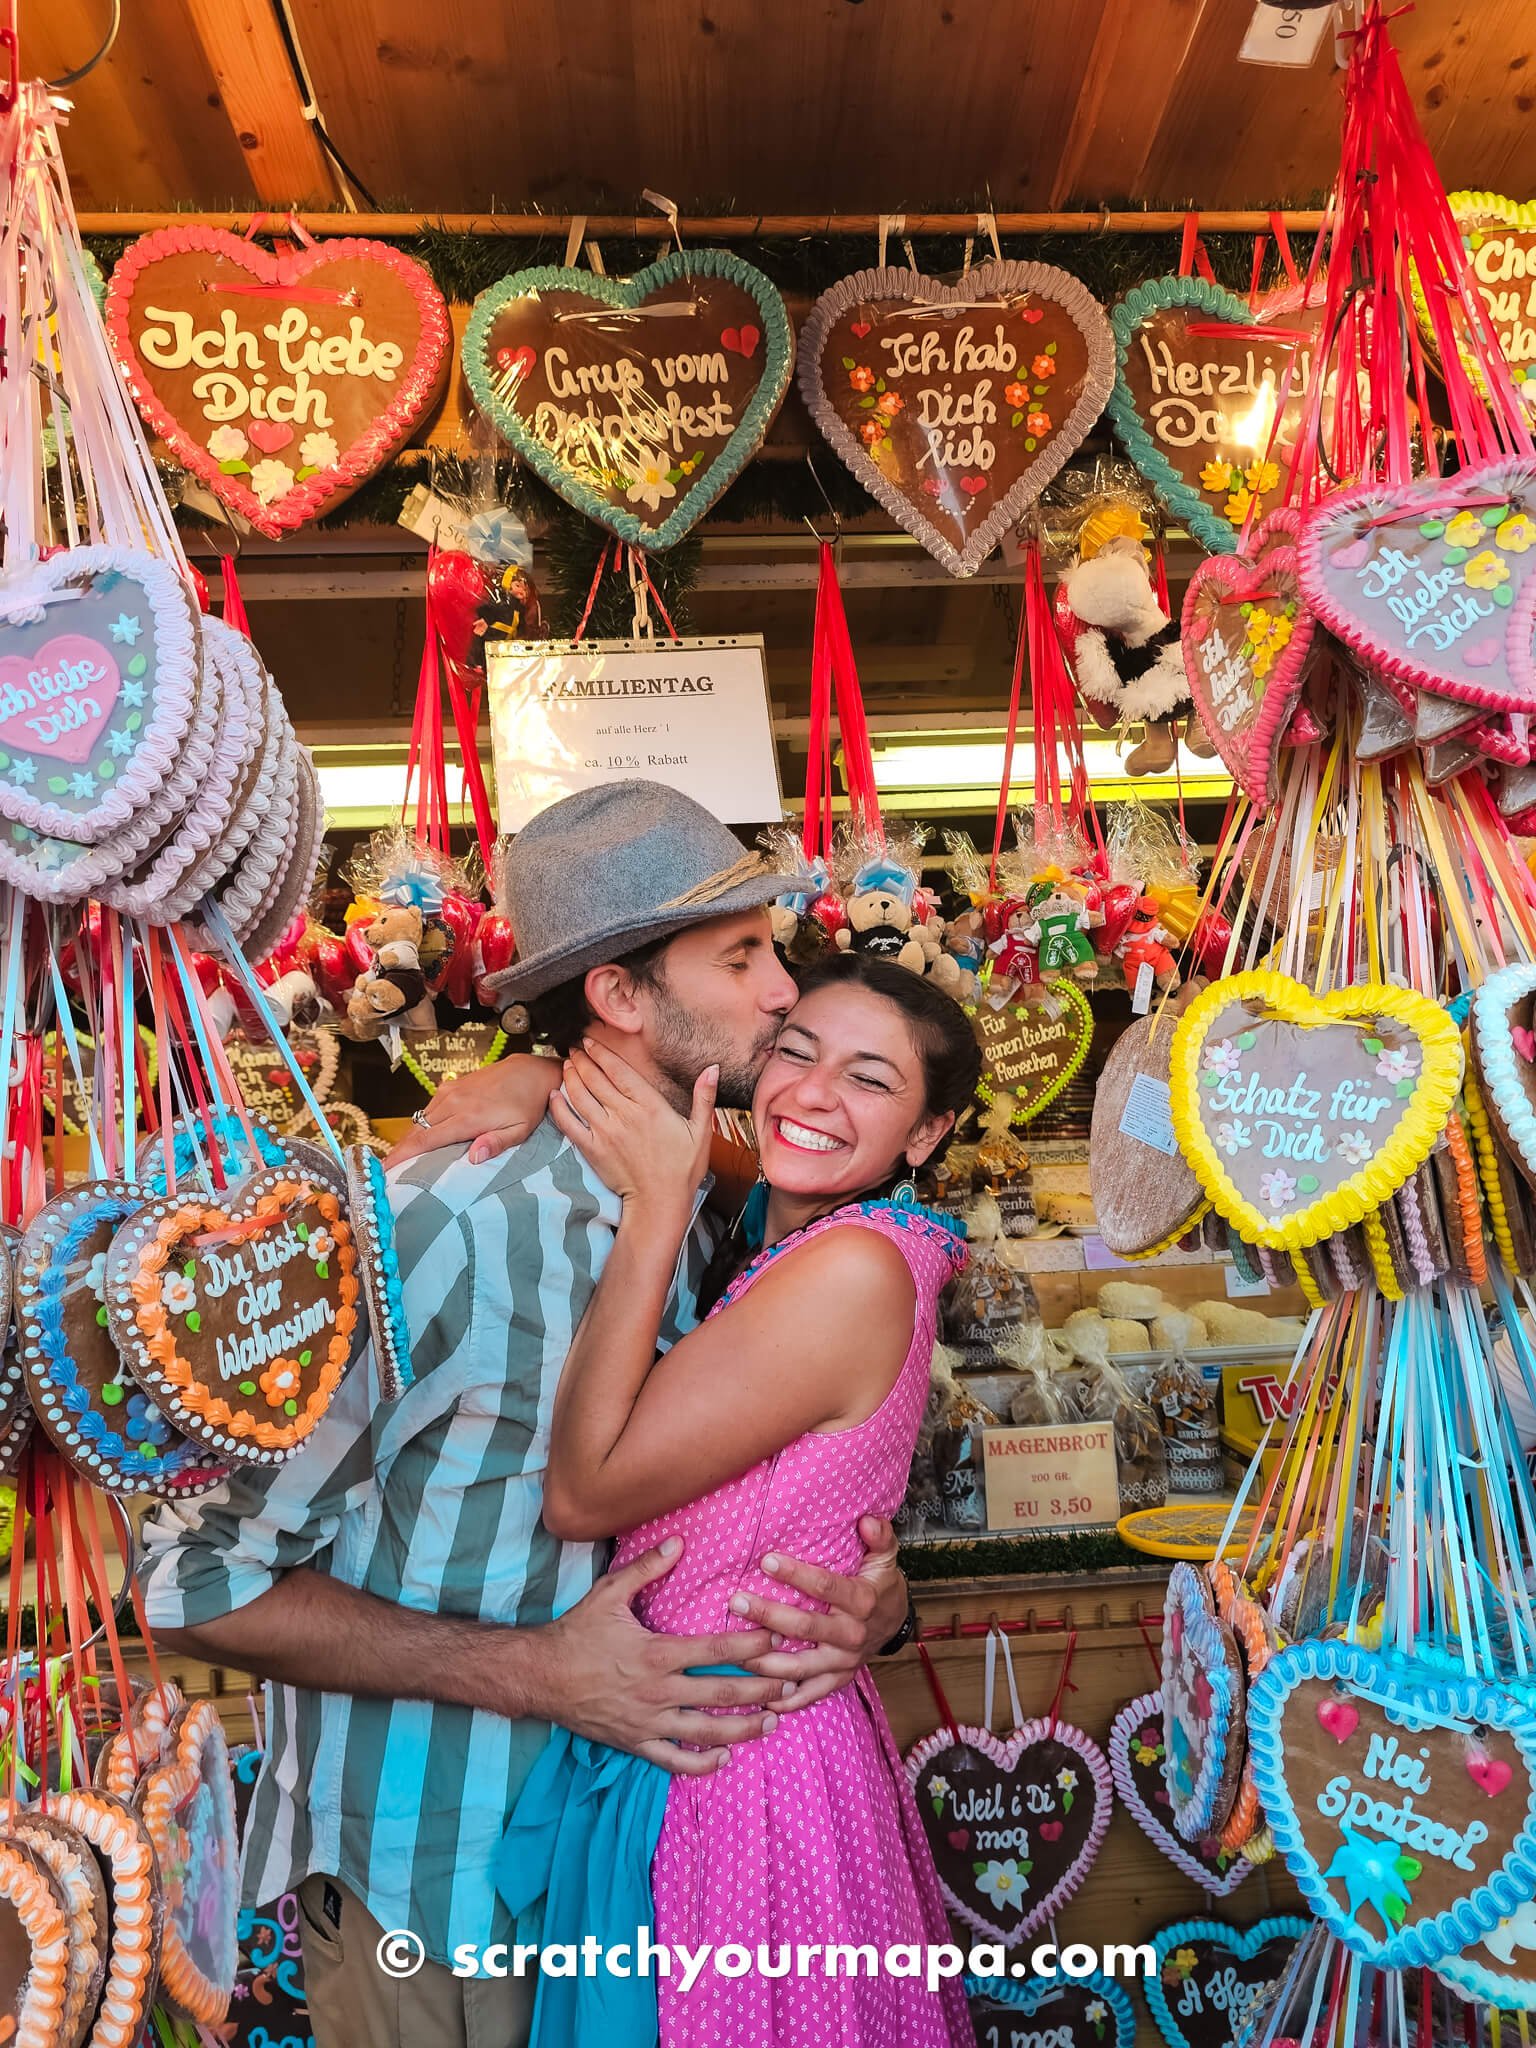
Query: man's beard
{"x": 686, "y": 1044}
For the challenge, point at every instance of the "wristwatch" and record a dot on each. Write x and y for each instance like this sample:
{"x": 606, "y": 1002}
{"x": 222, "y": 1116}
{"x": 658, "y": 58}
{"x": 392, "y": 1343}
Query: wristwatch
{"x": 905, "y": 1634}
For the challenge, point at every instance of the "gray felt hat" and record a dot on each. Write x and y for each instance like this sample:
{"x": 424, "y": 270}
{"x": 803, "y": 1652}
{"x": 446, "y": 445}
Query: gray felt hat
{"x": 610, "y": 869}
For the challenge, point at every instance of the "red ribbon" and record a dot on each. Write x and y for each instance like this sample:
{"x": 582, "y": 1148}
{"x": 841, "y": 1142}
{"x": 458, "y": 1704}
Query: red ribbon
{"x": 946, "y": 1711}
{"x": 835, "y": 682}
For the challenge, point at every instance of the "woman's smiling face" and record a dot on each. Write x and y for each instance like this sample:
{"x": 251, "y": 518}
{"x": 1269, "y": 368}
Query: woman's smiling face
{"x": 842, "y": 1103}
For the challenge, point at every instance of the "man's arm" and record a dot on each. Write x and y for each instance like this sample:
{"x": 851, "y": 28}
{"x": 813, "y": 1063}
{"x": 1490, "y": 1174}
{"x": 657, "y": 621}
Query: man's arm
{"x": 596, "y": 1670}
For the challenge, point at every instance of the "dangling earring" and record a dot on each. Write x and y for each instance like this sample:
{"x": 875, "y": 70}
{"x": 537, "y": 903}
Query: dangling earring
{"x": 752, "y": 1223}
{"x": 904, "y": 1194}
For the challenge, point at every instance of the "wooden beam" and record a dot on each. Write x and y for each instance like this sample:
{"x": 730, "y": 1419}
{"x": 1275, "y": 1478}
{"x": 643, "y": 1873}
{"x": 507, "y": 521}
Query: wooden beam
{"x": 243, "y": 46}
{"x": 731, "y": 227}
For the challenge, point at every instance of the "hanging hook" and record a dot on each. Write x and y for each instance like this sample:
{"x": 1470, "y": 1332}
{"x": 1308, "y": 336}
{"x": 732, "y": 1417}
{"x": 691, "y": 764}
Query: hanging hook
{"x": 84, "y": 70}
{"x": 832, "y": 512}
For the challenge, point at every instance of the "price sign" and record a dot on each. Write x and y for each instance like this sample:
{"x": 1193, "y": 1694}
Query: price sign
{"x": 1061, "y": 1476}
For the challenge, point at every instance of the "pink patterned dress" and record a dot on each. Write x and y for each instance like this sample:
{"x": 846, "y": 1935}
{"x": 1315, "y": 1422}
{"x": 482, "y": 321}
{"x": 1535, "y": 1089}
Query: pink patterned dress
{"x": 810, "y": 1835}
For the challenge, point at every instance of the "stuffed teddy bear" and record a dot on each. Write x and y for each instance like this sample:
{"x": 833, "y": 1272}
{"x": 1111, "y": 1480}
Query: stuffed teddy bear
{"x": 394, "y": 990}
{"x": 1124, "y": 647}
{"x": 1007, "y": 926}
{"x": 879, "y": 922}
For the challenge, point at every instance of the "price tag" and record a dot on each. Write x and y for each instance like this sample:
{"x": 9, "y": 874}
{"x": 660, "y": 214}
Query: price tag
{"x": 1290, "y": 36}
{"x": 1056, "y": 1477}
{"x": 1141, "y": 999}
{"x": 1237, "y": 1286}
{"x": 1146, "y": 1115}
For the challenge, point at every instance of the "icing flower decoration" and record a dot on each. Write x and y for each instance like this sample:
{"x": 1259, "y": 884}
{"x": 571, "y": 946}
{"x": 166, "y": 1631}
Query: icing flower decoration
{"x": 23, "y": 769}
{"x": 1486, "y": 571}
{"x": 1002, "y": 1884}
{"x": 650, "y": 483}
{"x": 890, "y": 403}
{"x": 1239, "y": 505}
{"x": 1464, "y": 531}
{"x": 1233, "y": 1137}
{"x": 1517, "y": 534}
{"x": 1278, "y": 1187}
{"x": 146, "y": 1425}
{"x": 1376, "y": 1875}
{"x": 1224, "y": 1058}
{"x": 227, "y": 444}
{"x": 1184, "y": 1962}
{"x": 318, "y": 451}
{"x": 1399, "y": 1064}
{"x": 1261, "y": 477}
{"x": 1038, "y": 423}
{"x": 1149, "y": 1749}
{"x": 178, "y": 1293}
{"x": 1353, "y": 1146}
{"x": 1096, "y": 2014}
{"x": 1263, "y": 660}
{"x": 271, "y": 479}
{"x": 862, "y": 378}
{"x": 1017, "y": 395}
{"x": 321, "y": 1245}
{"x": 871, "y": 432}
{"x": 1216, "y": 476}
{"x": 1043, "y": 366}
{"x": 96, "y": 1275}
{"x": 280, "y": 1383}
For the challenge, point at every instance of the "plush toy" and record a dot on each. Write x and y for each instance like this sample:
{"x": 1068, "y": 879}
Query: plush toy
{"x": 399, "y": 939}
{"x": 1063, "y": 919}
{"x": 394, "y": 989}
{"x": 1007, "y": 925}
{"x": 1124, "y": 647}
{"x": 1146, "y": 944}
{"x": 964, "y": 931}
{"x": 880, "y": 915}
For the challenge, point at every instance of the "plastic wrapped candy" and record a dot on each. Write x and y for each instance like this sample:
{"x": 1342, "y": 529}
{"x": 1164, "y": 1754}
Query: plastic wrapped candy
{"x": 1105, "y": 1393}
{"x": 1186, "y": 1411}
{"x": 985, "y": 1307}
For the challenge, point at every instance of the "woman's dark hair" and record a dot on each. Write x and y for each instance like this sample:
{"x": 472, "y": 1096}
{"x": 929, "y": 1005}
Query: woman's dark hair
{"x": 946, "y": 1046}
{"x": 941, "y": 1031}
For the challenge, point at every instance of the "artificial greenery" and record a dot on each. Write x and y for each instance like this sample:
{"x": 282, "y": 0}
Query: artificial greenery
{"x": 994, "y": 1557}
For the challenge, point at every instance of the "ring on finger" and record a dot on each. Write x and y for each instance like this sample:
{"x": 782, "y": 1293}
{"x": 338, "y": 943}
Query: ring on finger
{"x": 419, "y": 1116}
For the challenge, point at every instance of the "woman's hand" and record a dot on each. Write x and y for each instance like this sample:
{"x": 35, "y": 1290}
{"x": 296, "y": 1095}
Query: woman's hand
{"x": 652, "y": 1157}
{"x": 489, "y": 1110}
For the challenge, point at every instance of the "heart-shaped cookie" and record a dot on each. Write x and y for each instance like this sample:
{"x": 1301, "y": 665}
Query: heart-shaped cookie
{"x": 143, "y": 1742}
{"x": 125, "y": 1856}
{"x": 75, "y": 1872}
{"x": 1302, "y": 1114}
{"x": 1091, "y": 2011}
{"x": 1145, "y": 1195}
{"x": 34, "y": 1948}
{"x": 1401, "y": 1796}
{"x": 239, "y": 1316}
{"x": 1030, "y": 1050}
{"x": 1433, "y": 581}
{"x": 1194, "y": 398}
{"x": 246, "y": 1146}
{"x": 1203, "y": 1725}
{"x": 88, "y": 1402}
{"x": 1499, "y": 1969}
{"x": 443, "y": 1055}
{"x": 99, "y": 669}
{"x": 1502, "y": 1012}
{"x": 636, "y": 398}
{"x": 955, "y": 405}
{"x": 1136, "y": 1751}
{"x": 188, "y": 1807}
{"x": 1247, "y": 638}
{"x": 265, "y": 1080}
{"x": 373, "y": 1221}
{"x": 1499, "y": 236}
{"x": 279, "y": 380}
{"x": 1210, "y": 1976}
{"x": 1014, "y": 1823}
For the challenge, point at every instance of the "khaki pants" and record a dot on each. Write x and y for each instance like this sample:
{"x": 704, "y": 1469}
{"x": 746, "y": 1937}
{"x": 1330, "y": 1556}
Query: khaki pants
{"x": 353, "y": 2003}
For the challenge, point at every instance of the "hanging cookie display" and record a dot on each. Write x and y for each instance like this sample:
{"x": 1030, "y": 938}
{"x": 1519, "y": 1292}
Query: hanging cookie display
{"x": 188, "y": 1808}
{"x": 1203, "y": 1722}
{"x": 373, "y": 1222}
{"x": 1030, "y": 1050}
{"x": 1090, "y": 2011}
{"x": 955, "y": 405}
{"x": 279, "y": 380}
{"x": 1210, "y": 1977}
{"x": 1145, "y": 1193}
{"x": 1137, "y": 1750}
{"x": 637, "y": 399}
{"x": 1499, "y": 236}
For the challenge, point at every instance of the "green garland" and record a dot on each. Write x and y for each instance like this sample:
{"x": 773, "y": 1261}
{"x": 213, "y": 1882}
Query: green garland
{"x": 994, "y": 1557}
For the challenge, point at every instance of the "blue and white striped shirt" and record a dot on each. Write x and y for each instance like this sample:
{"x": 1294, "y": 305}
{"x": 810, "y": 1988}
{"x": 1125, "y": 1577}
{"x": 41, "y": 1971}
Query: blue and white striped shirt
{"x": 436, "y": 1503}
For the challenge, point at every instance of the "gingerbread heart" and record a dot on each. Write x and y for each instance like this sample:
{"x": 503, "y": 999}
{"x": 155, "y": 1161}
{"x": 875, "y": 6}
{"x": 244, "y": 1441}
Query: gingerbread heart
{"x": 245, "y": 1145}
{"x": 99, "y": 670}
{"x": 624, "y": 394}
{"x": 1210, "y": 1977}
{"x": 188, "y": 1807}
{"x": 83, "y": 1892}
{"x": 1499, "y": 236}
{"x": 279, "y": 380}
{"x": 1301, "y": 1115}
{"x": 1401, "y": 1796}
{"x": 1203, "y": 1724}
{"x": 1091, "y": 2011}
{"x": 1137, "y": 1748}
{"x": 1014, "y": 1824}
{"x": 955, "y": 405}
{"x": 442, "y": 1055}
{"x": 34, "y": 1947}
{"x": 1500, "y": 1968}
{"x": 1503, "y": 1009}
{"x": 1247, "y": 637}
{"x": 374, "y": 1222}
{"x": 239, "y": 1315}
{"x": 1195, "y": 396}
{"x": 1145, "y": 1195}
{"x": 1030, "y": 1050}
{"x": 89, "y": 1404}
{"x": 130, "y": 1870}
{"x": 265, "y": 1080}
{"x": 1433, "y": 581}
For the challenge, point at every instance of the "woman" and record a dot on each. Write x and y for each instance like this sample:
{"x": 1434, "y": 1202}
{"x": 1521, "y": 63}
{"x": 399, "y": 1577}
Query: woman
{"x": 789, "y": 1413}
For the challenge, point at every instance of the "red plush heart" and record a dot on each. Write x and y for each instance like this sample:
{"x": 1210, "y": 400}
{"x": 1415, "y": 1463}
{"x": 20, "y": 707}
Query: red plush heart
{"x": 1119, "y": 907}
{"x": 314, "y": 361}
{"x": 495, "y": 944}
{"x": 329, "y": 963}
{"x": 462, "y": 916}
{"x": 455, "y": 591}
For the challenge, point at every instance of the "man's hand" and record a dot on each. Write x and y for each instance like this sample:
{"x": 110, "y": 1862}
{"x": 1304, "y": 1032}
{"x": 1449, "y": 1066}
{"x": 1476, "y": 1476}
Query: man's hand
{"x": 864, "y": 1613}
{"x": 490, "y": 1110}
{"x": 602, "y": 1675}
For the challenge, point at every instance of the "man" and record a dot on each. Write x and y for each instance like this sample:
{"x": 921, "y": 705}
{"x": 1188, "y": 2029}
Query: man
{"x": 395, "y": 1583}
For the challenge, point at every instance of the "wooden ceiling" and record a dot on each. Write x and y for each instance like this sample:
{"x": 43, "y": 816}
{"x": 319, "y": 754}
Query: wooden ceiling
{"x": 799, "y": 106}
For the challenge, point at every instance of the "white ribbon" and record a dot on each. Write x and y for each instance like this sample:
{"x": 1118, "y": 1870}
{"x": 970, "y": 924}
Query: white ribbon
{"x": 996, "y": 1637}
{"x": 667, "y": 206}
{"x": 574, "y": 238}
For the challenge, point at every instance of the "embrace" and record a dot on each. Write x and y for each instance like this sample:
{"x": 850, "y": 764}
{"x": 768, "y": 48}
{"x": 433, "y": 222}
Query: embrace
{"x": 571, "y": 1639}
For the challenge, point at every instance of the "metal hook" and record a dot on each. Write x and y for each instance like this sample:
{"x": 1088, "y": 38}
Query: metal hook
{"x": 832, "y": 511}
{"x": 84, "y": 70}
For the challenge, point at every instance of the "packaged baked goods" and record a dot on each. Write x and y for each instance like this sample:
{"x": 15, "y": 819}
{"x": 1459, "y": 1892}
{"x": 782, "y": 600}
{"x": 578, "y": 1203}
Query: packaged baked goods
{"x": 1001, "y": 1169}
{"x": 946, "y": 1185}
{"x": 1105, "y": 1392}
{"x": 1187, "y": 1414}
{"x": 958, "y": 1467}
{"x": 985, "y": 1306}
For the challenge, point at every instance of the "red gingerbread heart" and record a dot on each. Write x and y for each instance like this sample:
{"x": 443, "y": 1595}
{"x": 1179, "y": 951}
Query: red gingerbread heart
{"x": 279, "y": 380}
{"x": 1247, "y": 634}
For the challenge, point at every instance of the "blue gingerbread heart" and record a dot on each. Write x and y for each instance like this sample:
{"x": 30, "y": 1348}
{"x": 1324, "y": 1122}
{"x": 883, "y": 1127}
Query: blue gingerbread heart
{"x": 1075, "y": 2012}
{"x": 1210, "y": 1975}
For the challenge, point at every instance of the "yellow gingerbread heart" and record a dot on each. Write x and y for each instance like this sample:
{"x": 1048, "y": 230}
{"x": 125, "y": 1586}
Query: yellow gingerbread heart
{"x": 1302, "y": 1114}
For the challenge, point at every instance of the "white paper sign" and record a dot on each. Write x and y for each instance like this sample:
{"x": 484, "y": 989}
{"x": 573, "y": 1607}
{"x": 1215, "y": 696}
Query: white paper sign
{"x": 690, "y": 713}
{"x": 1284, "y": 35}
{"x": 1147, "y": 1115}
